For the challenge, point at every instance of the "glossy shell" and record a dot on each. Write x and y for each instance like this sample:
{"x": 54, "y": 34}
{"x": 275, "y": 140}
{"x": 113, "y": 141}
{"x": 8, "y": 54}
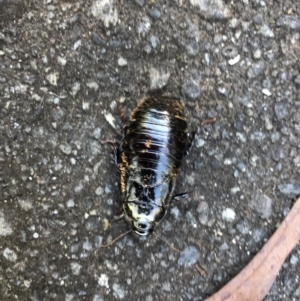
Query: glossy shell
{"x": 153, "y": 145}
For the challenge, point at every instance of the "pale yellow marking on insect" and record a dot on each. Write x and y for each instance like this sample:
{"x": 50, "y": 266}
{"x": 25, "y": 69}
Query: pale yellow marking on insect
{"x": 123, "y": 171}
{"x": 148, "y": 143}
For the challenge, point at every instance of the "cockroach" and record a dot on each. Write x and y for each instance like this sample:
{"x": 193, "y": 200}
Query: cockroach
{"x": 148, "y": 158}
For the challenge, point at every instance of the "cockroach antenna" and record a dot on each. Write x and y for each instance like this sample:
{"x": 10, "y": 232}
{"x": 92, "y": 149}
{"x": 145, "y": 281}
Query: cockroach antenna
{"x": 113, "y": 241}
{"x": 163, "y": 239}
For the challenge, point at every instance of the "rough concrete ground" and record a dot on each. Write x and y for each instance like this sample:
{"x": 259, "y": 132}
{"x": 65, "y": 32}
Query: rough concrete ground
{"x": 65, "y": 67}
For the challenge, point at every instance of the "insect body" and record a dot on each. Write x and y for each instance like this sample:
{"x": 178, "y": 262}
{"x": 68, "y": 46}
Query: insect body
{"x": 149, "y": 157}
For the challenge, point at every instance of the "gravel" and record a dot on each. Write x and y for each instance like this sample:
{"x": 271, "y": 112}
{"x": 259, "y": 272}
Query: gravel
{"x": 70, "y": 74}
{"x": 188, "y": 257}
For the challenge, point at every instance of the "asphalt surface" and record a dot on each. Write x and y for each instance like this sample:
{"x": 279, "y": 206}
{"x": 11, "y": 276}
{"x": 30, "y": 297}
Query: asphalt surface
{"x": 66, "y": 67}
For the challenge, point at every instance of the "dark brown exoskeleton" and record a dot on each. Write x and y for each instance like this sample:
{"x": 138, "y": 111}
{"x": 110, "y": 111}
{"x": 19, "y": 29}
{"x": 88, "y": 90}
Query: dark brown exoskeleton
{"x": 153, "y": 145}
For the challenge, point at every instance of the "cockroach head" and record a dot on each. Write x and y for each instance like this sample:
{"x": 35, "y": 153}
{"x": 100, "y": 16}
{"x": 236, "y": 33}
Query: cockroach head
{"x": 142, "y": 227}
{"x": 142, "y": 217}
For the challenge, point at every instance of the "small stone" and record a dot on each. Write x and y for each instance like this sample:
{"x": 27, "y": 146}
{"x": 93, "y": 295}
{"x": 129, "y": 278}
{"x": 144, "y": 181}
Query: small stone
{"x": 58, "y": 114}
{"x": 191, "y": 86}
{"x": 93, "y": 212}
{"x": 5, "y": 227}
{"x": 105, "y": 11}
{"x": 268, "y": 124}
{"x": 93, "y": 85}
{"x": 191, "y": 219}
{"x": 52, "y": 78}
{"x": 243, "y": 227}
{"x": 257, "y": 54}
{"x": 33, "y": 65}
{"x": 74, "y": 19}
{"x": 294, "y": 259}
{"x": 199, "y": 142}
{"x": 223, "y": 91}
{"x": 266, "y": 92}
{"x": 258, "y": 19}
{"x": 166, "y": 286}
{"x": 26, "y": 204}
{"x": 258, "y": 136}
{"x": 36, "y": 97}
{"x": 107, "y": 189}
{"x": 175, "y": 212}
{"x": 203, "y": 210}
{"x": 234, "y": 60}
{"x": 110, "y": 119}
{"x": 98, "y": 40}
{"x": 242, "y": 166}
{"x": 118, "y": 290}
{"x": 76, "y": 268}
{"x": 279, "y": 153}
{"x": 291, "y": 190}
{"x": 70, "y": 203}
{"x": 191, "y": 47}
{"x": 98, "y": 241}
{"x": 227, "y": 161}
{"x": 97, "y": 133}
{"x": 154, "y": 41}
{"x": 61, "y": 61}
{"x": 188, "y": 256}
{"x": 77, "y": 44}
{"x": 96, "y": 297}
{"x": 246, "y": 101}
{"x": 281, "y": 110}
{"x": 115, "y": 44}
{"x": 297, "y": 161}
{"x": 228, "y": 215}
{"x": 218, "y": 39}
{"x": 10, "y": 255}
{"x": 154, "y": 14}
{"x": 140, "y": 2}
{"x": 87, "y": 246}
{"x": 262, "y": 204}
{"x": 191, "y": 90}
{"x": 75, "y": 89}
{"x": 207, "y": 58}
{"x": 66, "y": 148}
{"x": 103, "y": 280}
{"x": 99, "y": 191}
{"x": 28, "y": 79}
{"x": 266, "y": 31}
{"x": 85, "y": 105}
{"x": 158, "y": 78}
{"x": 289, "y": 21}
{"x": 267, "y": 84}
{"x": 122, "y": 62}
{"x": 254, "y": 159}
{"x": 241, "y": 137}
{"x": 297, "y": 79}
{"x": 147, "y": 49}
{"x": 233, "y": 23}
{"x": 256, "y": 69}
{"x": 212, "y": 9}
{"x": 235, "y": 190}
{"x": 275, "y": 137}
{"x": 144, "y": 26}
